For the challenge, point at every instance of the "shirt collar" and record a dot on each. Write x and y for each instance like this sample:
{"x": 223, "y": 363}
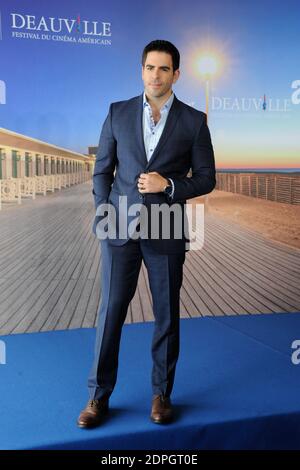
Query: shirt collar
{"x": 167, "y": 104}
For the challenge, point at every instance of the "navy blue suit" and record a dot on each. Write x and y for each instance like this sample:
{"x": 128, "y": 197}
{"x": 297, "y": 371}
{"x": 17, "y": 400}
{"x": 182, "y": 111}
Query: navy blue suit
{"x": 185, "y": 144}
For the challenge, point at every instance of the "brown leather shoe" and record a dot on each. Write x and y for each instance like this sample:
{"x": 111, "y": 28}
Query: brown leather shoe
{"x": 161, "y": 412}
{"x": 93, "y": 413}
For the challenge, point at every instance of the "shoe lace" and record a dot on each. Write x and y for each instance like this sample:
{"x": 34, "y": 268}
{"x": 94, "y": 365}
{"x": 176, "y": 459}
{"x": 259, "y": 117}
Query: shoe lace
{"x": 93, "y": 403}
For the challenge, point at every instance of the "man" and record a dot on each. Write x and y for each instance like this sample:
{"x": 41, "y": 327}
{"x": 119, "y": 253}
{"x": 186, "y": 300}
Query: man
{"x": 147, "y": 146}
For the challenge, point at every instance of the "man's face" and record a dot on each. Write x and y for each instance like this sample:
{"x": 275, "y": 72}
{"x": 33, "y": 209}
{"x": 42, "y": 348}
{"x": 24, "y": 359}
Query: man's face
{"x": 158, "y": 75}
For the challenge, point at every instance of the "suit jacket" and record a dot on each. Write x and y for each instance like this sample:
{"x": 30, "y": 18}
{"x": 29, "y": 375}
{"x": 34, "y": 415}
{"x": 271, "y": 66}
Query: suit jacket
{"x": 184, "y": 144}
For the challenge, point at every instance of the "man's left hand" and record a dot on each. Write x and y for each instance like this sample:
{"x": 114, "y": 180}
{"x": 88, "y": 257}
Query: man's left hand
{"x": 151, "y": 182}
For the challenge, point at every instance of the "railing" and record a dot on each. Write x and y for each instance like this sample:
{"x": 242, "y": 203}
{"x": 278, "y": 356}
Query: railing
{"x": 41, "y": 185}
{"x": 27, "y": 187}
{"x": 270, "y": 186}
{"x": 11, "y": 190}
{"x": 14, "y": 189}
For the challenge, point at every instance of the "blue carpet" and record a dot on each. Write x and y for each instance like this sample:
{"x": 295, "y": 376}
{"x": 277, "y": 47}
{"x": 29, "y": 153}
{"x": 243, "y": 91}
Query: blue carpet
{"x": 235, "y": 388}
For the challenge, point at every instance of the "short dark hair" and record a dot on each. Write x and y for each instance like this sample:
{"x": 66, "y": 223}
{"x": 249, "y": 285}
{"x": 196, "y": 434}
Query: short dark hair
{"x": 162, "y": 46}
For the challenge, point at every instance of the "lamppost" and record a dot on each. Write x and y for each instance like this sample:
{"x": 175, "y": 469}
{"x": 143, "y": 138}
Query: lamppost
{"x": 207, "y": 66}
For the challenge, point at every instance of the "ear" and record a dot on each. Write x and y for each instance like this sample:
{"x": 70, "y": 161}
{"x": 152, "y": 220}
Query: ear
{"x": 176, "y": 75}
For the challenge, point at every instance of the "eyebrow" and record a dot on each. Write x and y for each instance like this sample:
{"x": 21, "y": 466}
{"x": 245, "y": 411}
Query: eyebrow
{"x": 162, "y": 67}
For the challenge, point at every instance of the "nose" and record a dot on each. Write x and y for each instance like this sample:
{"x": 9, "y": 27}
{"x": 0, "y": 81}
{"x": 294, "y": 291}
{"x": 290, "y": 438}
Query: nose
{"x": 155, "y": 73}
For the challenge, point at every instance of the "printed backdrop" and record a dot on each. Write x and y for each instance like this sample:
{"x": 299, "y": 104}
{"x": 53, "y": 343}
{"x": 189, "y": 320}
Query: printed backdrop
{"x": 63, "y": 62}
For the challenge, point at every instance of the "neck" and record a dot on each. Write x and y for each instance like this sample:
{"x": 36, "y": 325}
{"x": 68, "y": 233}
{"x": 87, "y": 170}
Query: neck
{"x": 158, "y": 102}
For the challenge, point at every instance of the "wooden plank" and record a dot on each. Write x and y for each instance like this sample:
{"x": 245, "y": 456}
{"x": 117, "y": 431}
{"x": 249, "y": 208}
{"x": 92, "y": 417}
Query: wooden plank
{"x": 213, "y": 284}
{"x": 60, "y": 307}
{"x": 16, "y": 311}
{"x": 198, "y": 301}
{"x": 136, "y": 308}
{"x": 77, "y": 316}
{"x": 50, "y": 269}
{"x": 145, "y": 296}
{"x": 285, "y": 283}
{"x": 270, "y": 299}
{"x": 33, "y": 314}
{"x": 255, "y": 241}
{"x": 237, "y": 289}
{"x": 90, "y": 318}
{"x": 254, "y": 270}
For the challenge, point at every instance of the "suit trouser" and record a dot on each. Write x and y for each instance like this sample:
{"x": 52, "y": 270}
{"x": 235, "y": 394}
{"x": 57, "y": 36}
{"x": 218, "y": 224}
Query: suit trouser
{"x": 119, "y": 276}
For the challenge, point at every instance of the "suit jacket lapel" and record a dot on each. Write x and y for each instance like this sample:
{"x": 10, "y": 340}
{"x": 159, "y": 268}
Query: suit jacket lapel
{"x": 139, "y": 127}
{"x": 169, "y": 126}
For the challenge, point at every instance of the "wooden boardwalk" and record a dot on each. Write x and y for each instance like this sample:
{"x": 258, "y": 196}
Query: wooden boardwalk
{"x": 50, "y": 261}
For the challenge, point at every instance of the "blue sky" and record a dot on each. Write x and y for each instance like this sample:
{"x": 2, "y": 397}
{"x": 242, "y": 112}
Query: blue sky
{"x": 60, "y": 92}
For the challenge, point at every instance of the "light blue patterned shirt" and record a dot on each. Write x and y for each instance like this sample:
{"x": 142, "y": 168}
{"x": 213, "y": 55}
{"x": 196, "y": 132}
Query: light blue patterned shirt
{"x": 152, "y": 132}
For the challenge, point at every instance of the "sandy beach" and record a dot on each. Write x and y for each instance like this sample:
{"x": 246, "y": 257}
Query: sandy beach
{"x": 274, "y": 220}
